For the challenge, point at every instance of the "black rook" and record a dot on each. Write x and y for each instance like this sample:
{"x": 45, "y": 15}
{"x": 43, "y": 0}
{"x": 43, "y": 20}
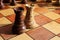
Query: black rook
{"x": 18, "y": 26}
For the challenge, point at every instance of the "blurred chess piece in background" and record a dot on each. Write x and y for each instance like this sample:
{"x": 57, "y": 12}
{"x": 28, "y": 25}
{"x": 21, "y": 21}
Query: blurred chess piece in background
{"x": 18, "y": 26}
{"x": 12, "y": 2}
{"x": 33, "y": 0}
{"x": 23, "y": 2}
{"x": 48, "y": 1}
{"x": 2, "y": 4}
{"x": 57, "y": 3}
{"x": 6, "y": 1}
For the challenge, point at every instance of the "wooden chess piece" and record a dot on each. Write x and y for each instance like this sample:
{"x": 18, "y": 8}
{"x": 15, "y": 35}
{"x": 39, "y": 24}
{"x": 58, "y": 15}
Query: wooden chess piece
{"x": 57, "y": 3}
{"x": 18, "y": 26}
{"x": 1, "y": 4}
{"x": 48, "y": 1}
{"x": 13, "y": 3}
{"x": 23, "y": 1}
{"x": 33, "y": 0}
{"x": 28, "y": 17}
{"x": 6, "y": 1}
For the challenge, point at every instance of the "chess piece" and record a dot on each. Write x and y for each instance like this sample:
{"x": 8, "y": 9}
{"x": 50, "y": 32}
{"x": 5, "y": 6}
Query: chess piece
{"x": 1, "y": 4}
{"x": 48, "y": 1}
{"x": 33, "y": 0}
{"x": 57, "y": 3}
{"x": 13, "y": 3}
{"x": 28, "y": 17}
{"x": 6, "y": 1}
{"x": 18, "y": 26}
{"x": 23, "y": 1}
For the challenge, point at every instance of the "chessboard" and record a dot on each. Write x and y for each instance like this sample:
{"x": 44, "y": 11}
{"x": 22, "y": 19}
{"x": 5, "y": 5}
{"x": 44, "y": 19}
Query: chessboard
{"x": 46, "y": 24}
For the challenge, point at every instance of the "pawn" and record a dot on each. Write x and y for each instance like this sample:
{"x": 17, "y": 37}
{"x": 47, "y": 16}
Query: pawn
{"x": 1, "y": 4}
{"x": 18, "y": 26}
{"x": 13, "y": 3}
{"x": 28, "y": 17}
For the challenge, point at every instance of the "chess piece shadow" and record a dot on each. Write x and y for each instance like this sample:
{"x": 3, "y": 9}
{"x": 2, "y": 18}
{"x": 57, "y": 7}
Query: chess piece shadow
{"x": 18, "y": 26}
{"x": 6, "y": 29}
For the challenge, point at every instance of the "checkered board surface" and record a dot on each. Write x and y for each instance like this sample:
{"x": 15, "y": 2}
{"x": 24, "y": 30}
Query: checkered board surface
{"x": 47, "y": 22}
